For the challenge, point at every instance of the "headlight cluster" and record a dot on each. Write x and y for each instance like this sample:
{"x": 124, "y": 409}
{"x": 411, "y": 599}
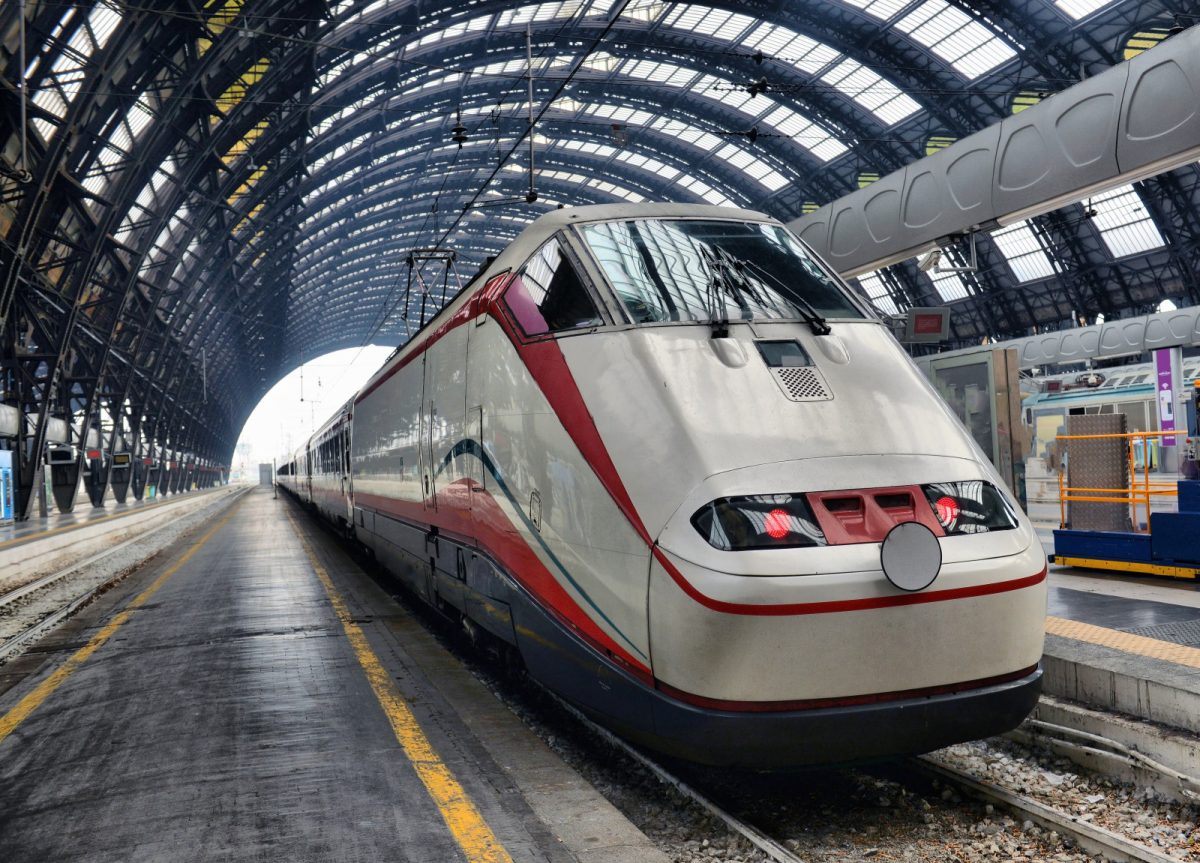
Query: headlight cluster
{"x": 969, "y": 507}
{"x": 788, "y": 520}
{"x": 758, "y": 521}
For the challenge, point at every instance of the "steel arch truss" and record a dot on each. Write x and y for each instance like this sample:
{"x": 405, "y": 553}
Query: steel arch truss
{"x": 206, "y": 194}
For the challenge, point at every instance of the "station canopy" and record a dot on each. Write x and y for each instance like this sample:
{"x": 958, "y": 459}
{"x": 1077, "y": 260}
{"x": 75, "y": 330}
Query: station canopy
{"x": 211, "y": 193}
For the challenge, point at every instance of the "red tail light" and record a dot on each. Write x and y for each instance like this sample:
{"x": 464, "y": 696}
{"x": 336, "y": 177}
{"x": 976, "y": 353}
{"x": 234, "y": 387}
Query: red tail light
{"x": 758, "y": 521}
{"x": 974, "y": 506}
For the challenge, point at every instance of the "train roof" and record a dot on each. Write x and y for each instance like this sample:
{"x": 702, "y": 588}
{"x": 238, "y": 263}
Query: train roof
{"x": 608, "y": 212}
{"x": 548, "y": 224}
{"x": 539, "y": 231}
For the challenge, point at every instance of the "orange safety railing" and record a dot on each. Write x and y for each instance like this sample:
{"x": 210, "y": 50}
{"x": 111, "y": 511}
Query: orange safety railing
{"x": 1140, "y": 491}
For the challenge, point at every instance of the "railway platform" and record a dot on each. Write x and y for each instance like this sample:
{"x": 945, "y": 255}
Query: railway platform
{"x": 252, "y": 694}
{"x": 84, "y": 514}
{"x": 1127, "y": 644}
{"x": 43, "y": 544}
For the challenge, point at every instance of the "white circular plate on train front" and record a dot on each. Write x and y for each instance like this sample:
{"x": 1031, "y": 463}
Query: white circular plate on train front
{"x": 911, "y": 556}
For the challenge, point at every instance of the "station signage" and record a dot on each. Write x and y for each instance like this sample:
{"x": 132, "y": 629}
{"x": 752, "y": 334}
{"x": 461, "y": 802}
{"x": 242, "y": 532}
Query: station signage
{"x": 1166, "y": 395}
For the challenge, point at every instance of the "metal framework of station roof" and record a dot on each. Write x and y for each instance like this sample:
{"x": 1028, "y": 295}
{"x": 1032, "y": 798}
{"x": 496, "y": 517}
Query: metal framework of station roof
{"x": 211, "y": 193}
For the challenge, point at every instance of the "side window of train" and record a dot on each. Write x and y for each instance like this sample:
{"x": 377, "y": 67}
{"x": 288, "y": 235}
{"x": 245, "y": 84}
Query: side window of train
{"x": 548, "y": 295}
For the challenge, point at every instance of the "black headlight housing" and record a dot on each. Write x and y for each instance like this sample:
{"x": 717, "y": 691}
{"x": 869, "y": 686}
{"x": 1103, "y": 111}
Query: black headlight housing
{"x": 759, "y": 521}
{"x": 969, "y": 507}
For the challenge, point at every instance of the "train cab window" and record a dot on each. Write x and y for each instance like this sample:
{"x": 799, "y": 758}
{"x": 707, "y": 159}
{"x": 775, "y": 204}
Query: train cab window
{"x": 548, "y": 296}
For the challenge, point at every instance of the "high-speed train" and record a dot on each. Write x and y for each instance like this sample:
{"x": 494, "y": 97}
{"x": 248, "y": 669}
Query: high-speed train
{"x": 669, "y": 459}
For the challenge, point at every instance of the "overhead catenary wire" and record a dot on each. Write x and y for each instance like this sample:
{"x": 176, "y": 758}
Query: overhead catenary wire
{"x": 388, "y": 308}
{"x": 614, "y": 16}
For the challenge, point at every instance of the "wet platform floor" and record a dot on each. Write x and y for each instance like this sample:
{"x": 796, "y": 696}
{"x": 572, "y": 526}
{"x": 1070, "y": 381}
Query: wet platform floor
{"x": 1163, "y": 611}
{"x": 227, "y": 716}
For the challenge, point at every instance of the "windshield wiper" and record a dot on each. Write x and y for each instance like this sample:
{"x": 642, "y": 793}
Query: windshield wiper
{"x": 812, "y": 317}
{"x": 717, "y": 285}
{"x": 725, "y": 276}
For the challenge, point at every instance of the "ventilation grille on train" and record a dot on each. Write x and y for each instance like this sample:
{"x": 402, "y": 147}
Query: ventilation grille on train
{"x": 802, "y": 384}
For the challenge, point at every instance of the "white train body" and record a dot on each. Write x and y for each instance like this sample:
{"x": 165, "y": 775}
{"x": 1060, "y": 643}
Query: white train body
{"x": 552, "y": 487}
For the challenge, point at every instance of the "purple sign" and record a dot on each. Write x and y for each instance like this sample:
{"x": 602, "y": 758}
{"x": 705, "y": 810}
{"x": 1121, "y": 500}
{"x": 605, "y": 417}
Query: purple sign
{"x": 1166, "y": 395}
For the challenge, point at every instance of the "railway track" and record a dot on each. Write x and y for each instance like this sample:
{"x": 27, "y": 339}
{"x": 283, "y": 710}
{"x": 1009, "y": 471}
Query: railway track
{"x": 1090, "y": 838}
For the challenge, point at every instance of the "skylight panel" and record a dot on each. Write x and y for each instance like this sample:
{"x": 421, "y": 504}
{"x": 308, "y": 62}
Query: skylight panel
{"x": 881, "y": 9}
{"x": 878, "y": 96}
{"x": 1124, "y": 224}
{"x": 786, "y": 45}
{"x": 638, "y": 10}
{"x": 662, "y": 73}
{"x": 590, "y": 147}
{"x": 752, "y": 167}
{"x": 579, "y": 180}
{"x": 806, "y": 133}
{"x": 94, "y": 35}
{"x": 711, "y": 87}
{"x": 688, "y": 134}
{"x": 457, "y": 29}
{"x": 967, "y": 45}
{"x": 718, "y": 23}
{"x": 873, "y": 286}
{"x": 67, "y": 73}
{"x": 1024, "y": 253}
{"x": 660, "y": 169}
{"x": 620, "y": 113}
{"x": 728, "y": 95}
{"x": 949, "y": 286}
{"x": 1081, "y": 8}
{"x": 597, "y": 61}
{"x": 698, "y": 187}
{"x": 852, "y": 79}
{"x": 733, "y": 156}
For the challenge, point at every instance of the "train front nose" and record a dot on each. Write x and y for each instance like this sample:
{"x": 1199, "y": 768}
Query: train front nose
{"x": 740, "y": 619}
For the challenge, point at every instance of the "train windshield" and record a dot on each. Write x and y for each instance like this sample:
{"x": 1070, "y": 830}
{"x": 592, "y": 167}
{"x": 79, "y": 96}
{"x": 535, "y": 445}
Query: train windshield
{"x": 707, "y": 269}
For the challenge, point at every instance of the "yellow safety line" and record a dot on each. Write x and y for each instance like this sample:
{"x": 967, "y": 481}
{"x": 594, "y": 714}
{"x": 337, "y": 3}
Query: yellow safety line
{"x": 31, "y": 702}
{"x": 1124, "y": 641}
{"x": 466, "y": 824}
{"x": 66, "y": 527}
{"x": 1126, "y": 566}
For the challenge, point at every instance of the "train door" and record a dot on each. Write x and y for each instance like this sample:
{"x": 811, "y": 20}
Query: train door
{"x": 475, "y": 436}
{"x": 428, "y": 418}
{"x": 308, "y": 473}
{"x": 344, "y": 470}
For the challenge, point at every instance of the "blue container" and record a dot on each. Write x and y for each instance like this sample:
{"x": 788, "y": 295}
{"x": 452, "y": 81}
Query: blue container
{"x": 1176, "y": 537}
{"x": 1103, "y": 545}
{"x": 1189, "y": 495}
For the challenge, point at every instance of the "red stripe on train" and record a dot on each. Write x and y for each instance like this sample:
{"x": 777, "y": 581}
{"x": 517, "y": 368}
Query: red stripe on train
{"x": 482, "y": 522}
{"x": 844, "y": 605}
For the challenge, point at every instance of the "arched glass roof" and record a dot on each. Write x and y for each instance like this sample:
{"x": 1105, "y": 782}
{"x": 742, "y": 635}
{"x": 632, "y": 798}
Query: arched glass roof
{"x": 236, "y": 185}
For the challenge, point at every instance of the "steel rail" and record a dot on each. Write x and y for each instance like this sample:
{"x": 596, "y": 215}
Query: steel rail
{"x": 1089, "y": 837}
{"x": 1189, "y": 786}
{"x": 756, "y": 837}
